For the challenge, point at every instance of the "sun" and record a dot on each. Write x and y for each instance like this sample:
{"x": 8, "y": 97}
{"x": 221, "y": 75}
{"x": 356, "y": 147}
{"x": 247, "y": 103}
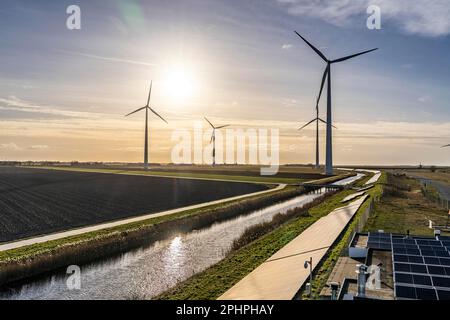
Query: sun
{"x": 180, "y": 82}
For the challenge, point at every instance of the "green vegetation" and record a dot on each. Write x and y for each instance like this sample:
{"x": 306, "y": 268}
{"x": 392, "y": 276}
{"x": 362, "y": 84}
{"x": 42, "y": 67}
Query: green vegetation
{"x": 51, "y": 246}
{"x": 217, "y": 279}
{"x": 404, "y": 207}
{"x": 437, "y": 175}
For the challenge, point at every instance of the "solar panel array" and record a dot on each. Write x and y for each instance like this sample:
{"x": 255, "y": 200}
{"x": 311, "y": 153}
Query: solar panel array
{"x": 421, "y": 266}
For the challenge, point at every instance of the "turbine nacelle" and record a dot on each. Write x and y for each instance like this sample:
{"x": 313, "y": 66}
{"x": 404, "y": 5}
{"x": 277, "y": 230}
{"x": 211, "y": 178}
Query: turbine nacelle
{"x": 315, "y": 120}
{"x": 147, "y": 106}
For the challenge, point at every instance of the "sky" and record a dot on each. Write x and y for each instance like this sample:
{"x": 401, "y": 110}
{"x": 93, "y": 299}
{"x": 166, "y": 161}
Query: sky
{"x": 64, "y": 93}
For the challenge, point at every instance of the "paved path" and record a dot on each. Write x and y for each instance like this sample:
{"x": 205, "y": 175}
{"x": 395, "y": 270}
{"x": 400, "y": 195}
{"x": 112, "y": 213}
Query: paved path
{"x": 74, "y": 232}
{"x": 281, "y": 276}
{"x": 353, "y": 196}
{"x": 375, "y": 178}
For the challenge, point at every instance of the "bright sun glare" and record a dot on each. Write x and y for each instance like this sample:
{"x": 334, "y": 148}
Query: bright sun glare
{"x": 179, "y": 82}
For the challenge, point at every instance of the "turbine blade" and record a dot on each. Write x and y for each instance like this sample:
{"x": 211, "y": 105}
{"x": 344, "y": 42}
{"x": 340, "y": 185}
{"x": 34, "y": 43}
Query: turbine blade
{"x": 325, "y": 74}
{"x": 135, "y": 111}
{"x": 212, "y": 137}
{"x": 353, "y": 56}
{"x": 210, "y": 123}
{"x": 150, "y": 93}
{"x": 312, "y": 121}
{"x": 446, "y": 146}
{"x": 157, "y": 115}
{"x": 221, "y": 127}
{"x": 323, "y": 121}
{"x": 314, "y": 48}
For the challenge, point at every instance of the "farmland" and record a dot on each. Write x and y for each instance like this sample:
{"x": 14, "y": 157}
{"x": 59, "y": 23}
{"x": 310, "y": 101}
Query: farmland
{"x": 241, "y": 173}
{"x": 35, "y": 202}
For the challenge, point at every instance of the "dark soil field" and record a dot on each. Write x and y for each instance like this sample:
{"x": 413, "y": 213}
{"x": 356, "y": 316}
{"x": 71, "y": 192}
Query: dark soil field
{"x": 35, "y": 202}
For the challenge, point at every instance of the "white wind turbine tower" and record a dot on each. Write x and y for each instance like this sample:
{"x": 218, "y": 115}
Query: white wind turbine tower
{"x": 147, "y": 108}
{"x": 327, "y": 73}
{"x": 213, "y": 138}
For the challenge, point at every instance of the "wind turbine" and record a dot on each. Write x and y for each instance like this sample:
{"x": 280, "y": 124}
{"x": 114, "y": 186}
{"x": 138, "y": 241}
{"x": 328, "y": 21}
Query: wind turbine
{"x": 213, "y": 138}
{"x": 317, "y": 120}
{"x": 147, "y": 108}
{"x": 327, "y": 73}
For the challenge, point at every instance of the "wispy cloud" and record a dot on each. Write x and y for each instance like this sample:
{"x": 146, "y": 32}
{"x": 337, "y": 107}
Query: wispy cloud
{"x": 39, "y": 147}
{"x": 424, "y": 99}
{"x": 16, "y": 104}
{"x": 112, "y": 59}
{"x": 423, "y": 17}
{"x": 11, "y": 146}
{"x": 287, "y": 46}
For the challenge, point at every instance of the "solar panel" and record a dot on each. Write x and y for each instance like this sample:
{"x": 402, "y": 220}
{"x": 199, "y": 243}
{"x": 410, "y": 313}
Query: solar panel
{"x": 418, "y": 268}
{"x": 443, "y": 294}
{"x": 422, "y": 280}
{"x": 436, "y": 270}
{"x": 441, "y": 282}
{"x": 442, "y": 254}
{"x": 399, "y": 251}
{"x": 404, "y": 241}
{"x": 421, "y": 265}
{"x": 406, "y": 278}
{"x": 410, "y": 268}
{"x": 426, "y": 294}
{"x": 415, "y": 259}
{"x": 415, "y": 252}
{"x": 405, "y": 292}
{"x": 432, "y": 261}
{"x": 428, "y": 253}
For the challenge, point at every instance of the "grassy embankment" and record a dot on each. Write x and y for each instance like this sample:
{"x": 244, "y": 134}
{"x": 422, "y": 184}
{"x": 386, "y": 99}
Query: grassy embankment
{"x": 216, "y": 280}
{"x": 404, "y": 207}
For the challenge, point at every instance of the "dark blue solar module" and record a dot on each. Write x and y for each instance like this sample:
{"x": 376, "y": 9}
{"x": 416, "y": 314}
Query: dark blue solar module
{"x": 421, "y": 265}
{"x": 379, "y": 241}
{"x": 407, "y": 292}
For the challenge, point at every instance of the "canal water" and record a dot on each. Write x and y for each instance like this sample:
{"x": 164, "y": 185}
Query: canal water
{"x": 146, "y": 272}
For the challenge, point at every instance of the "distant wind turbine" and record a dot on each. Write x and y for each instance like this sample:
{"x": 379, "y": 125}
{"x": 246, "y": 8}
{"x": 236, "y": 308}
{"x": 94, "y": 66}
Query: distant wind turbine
{"x": 213, "y": 138}
{"x": 317, "y": 120}
{"x": 147, "y": 108}
{"x": 327, "y": 73}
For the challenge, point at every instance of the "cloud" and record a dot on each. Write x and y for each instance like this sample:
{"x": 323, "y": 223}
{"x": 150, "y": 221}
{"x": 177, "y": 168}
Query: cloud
{"x": 287, "y": 46}
{"x": 12, "y": 103}
{"x": 39, "y": 147}
{"x": 112, "y": 59}
{"x": 422, "y": 17}
{"x": 10, "y": 147}
{"x": 424, "y": 99}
